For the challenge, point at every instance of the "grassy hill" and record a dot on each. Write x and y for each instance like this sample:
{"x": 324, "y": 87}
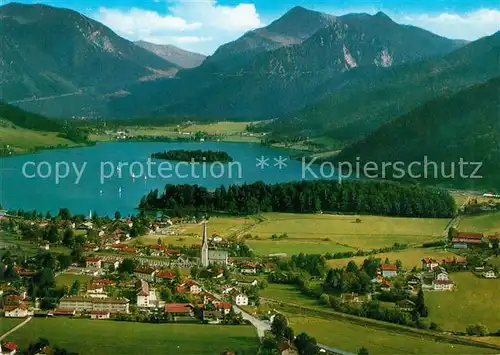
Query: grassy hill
{"x": 452, "y": 127}
{"x": 22, "y": 132}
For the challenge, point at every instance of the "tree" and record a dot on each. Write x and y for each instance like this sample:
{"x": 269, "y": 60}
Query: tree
{"x": 477, "y": 330}
{"x": 159, "y": 241}
{"x": 52, "y": 233}
{"x": 269, "y": 345}
{"x": 279, "y": 325}
{"x": 75, "y": 288}
{"x": 352, "y": 267}
{"x": 128, "y": 266}
{"x": 289, "y": 334}
{"x": 399, "y": 265}
{"x": 306, "y": 345}
{"x": 68, "y": 237}
{"x": 64, "y": 214}
{"x": 64, "y": 261}
{"x": 363, "y": 351}
{"x": 420, "y": 306}
{"x": 118, "y": 215}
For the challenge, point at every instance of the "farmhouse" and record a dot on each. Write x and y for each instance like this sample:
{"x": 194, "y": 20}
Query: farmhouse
{"x": 95, "y": 290}
{"x": 389, "y": 270}
{"x": 165, "y": 276}
{"x": 99, "y": 315}
{"x": 62, "y": 312}
{"x": 241, "y": 300}
{"x": 8, "y": 348}
{"x": 442, "y": 285}
{"x": 179, "y": 309}
{"x": 489, "y": 274}
{"x": 429, "y": 263}
{"x": 193, "y": 287}
{"x": 145, "y": 273}
{"x": 248, "y": 268}
{"x": 146, "y": 297}
{"x": 464, "y": 240}
{"x": 93, "y": 263}
{"x": 224, "y": 307}
{"x": 17, "y": 311}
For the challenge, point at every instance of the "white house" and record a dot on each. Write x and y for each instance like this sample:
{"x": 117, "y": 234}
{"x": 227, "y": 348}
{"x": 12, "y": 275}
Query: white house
{"x": 241, "y": 300}
{"x": 99, "y": 314}
{"x": 193, "y": 287}
{"x": 17, "y": 311}
{"x": 147, "y": 274}
{"x": 223, "y": 307}
{"x": 389, "y": 270}
{"x": 489, "y": 274}
{"x": 146, "y": 297}
{"x": 442, "y": 276}
{"x": 442, "y": 285}
{"x": 93, "y": 263}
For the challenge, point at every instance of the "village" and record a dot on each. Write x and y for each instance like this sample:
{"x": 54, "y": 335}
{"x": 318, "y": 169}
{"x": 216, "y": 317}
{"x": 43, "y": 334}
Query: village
{"x": 219, "y": 281}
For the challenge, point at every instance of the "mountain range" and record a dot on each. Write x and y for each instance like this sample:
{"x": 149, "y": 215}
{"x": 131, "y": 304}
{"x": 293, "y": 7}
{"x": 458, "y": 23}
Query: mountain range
{"x": 173, "y": 54}
{"x": 464, "y": 125}
{"x": 48, "y": 52}
{"x": 356, "y": 79}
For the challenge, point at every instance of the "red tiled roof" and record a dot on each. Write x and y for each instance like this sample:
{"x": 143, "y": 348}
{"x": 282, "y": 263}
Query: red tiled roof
{"x": 466, "y": 240}
{"x": 165, "y": 275}
{"x": 178, "y": 307}
{"x": 129, "y": 250}
{"x": 491, "y": 237}
{"x": 119, "y": 245}
{"x": 93, "y": 286}
{"x": 469, "y": 235}
{"x": 390, "y": 267}
{"x": 429, "y": 260}
{"x": 13, "y": 300}
{"x": 222, "y": 305}
{"x": 11, "y": 308}
{"x": 386, "y": 283}
{"x": 173, "y": 252}
{"x": 92, "y": 259}
{"x": 9, "y": 345}
{"x": 191, "y": 283}
{"x": 63, "y": 312}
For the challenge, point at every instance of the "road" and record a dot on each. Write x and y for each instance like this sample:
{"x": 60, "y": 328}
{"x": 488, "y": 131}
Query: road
{"x": 79, "y": 92}
{"x": 15, "y": 328}
{"x": 260, "y": 325}
{"x": 263, "y": 326}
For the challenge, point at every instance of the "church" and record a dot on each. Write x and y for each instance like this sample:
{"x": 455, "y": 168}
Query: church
{"x": 211, "y": 257}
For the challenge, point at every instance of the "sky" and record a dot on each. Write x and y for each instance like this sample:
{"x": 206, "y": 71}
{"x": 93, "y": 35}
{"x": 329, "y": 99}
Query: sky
{"x": 203, "y": 25}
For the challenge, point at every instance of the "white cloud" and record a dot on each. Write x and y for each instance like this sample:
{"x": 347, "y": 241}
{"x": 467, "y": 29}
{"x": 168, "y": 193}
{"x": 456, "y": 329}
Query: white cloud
{"x": 468, "y": 26}
{"x": 201, "y": 25}
{"x": 241, "y": 17}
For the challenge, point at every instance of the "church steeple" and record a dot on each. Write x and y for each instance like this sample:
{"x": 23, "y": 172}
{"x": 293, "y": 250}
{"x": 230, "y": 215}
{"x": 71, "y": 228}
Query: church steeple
{"x": 204, "y": 246}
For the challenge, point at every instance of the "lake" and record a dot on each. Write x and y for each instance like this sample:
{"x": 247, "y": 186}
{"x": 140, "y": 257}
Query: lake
{"x": 90, "y": 178}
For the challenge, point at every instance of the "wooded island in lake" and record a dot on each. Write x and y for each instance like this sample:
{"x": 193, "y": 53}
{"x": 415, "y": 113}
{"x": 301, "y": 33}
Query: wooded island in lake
{"x": 208, "y": 156}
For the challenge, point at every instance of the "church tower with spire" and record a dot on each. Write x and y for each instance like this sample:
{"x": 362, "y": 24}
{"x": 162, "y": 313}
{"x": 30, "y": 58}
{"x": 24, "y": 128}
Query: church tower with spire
{"x": 204, "y": 246}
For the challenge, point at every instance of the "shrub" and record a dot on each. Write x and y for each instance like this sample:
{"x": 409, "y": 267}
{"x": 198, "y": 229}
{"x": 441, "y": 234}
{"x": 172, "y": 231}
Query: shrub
{"x": 477, "y": 329}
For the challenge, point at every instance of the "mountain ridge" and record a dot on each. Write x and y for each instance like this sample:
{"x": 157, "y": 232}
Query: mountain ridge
{"x": 178, "y": 56}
